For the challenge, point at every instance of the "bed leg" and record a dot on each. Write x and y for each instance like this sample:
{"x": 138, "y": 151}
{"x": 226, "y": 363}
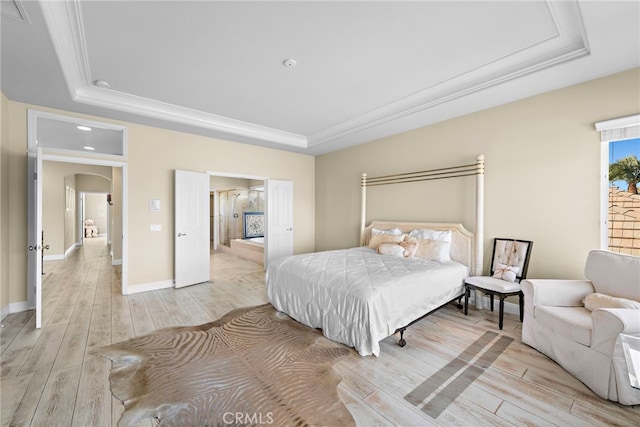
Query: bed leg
{"x": 402, "y": 341}
{"x": 459, "y": 303}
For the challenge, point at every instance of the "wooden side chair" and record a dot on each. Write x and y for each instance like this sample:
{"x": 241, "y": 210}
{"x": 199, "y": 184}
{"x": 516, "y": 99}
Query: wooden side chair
{"x": 509, "y": 264}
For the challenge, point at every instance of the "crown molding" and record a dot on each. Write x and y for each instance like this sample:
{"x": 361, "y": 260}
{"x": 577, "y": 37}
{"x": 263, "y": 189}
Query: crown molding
{"x": 134, "y": 104}
{"x": 64, "y": 21}
{"x": 15, "y": 10}
{"x": 569, "y": 43}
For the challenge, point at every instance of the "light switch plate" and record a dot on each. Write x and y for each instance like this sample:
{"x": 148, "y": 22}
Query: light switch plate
{"x": 154, "y": 205}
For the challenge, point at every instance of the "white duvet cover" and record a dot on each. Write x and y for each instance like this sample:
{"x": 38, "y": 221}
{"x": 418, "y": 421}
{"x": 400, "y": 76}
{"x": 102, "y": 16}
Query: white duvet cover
{"x": 358, "y": 297}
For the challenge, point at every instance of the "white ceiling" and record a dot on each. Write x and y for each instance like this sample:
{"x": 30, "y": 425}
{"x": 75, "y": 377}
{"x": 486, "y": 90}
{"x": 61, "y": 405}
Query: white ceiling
{"x": 364, "y": 69}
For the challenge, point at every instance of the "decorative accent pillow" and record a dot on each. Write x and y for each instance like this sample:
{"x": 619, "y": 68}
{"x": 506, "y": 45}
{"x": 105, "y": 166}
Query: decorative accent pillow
{"x": 596, "y": 300}
{"x": 435, "y": 250}
{"x": 393, "y": 231}
{"x": 424, "y": 234}
{"x": 392, "y": 249}
{"x": 506, "y": 272}
{"x": 378, "y": 239}
{"x": 410, "y": 244}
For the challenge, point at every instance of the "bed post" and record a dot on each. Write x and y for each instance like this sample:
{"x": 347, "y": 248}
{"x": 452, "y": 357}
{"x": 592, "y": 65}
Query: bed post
{"x": 479, "y": 231}
{"x": 363, "y": 207}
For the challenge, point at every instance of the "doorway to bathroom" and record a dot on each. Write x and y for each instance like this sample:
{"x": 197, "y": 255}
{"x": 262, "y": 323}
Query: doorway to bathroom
{"x": 239, "y": 211}
{"x": 238, "y": 217}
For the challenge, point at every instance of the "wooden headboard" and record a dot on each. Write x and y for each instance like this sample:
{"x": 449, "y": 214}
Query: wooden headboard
{"x": 461, "y": 238}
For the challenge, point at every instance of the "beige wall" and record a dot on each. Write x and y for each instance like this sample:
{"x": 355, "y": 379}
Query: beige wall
{"x": 15, "y": 148}
{"x": 116, "y": 216}
{"x": 154, "y": 154}
{"x": 222, "y": 183}
{"x": 542, "y": 178}
{"x": 4, "y": 207}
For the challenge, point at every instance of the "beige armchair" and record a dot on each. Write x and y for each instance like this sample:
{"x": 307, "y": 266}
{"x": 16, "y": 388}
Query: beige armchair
{"x": 585, "y": 338}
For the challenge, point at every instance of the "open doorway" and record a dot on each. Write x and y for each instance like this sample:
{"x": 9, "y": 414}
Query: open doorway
{"x": 238, "y": 224}
{"x": 95, "y": 215}
{"x": 58, "y": 139}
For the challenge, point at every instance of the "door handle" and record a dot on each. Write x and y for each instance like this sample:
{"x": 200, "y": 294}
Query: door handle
{"x": 34, "y": 248}
{"x": 181, "y": 234}
{"x": 289, "y": 229}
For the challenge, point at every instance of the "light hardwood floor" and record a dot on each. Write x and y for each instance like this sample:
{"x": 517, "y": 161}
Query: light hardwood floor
{"x": 50, "y": 378}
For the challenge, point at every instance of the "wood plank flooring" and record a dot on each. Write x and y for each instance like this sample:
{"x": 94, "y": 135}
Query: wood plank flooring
{"x": 48, "y": 377}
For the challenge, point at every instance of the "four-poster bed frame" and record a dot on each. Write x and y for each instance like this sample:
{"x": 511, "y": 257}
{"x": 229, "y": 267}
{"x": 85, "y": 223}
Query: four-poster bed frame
{"x": 359, "y": 296}
{"x": 476, "y": 169}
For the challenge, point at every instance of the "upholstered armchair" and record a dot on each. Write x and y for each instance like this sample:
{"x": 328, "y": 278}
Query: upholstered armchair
{"x": 578, "y": 323}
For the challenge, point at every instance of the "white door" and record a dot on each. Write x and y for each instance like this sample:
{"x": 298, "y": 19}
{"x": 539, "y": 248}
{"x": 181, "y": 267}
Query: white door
{"x": 34, "y": 232}
{"x": 191, "y": 257}
{"x": 279, "y": 240}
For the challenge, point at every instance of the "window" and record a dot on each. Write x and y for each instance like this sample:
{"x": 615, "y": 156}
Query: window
{"x": 620, "y": 201}
{"x": 624, "y": 201}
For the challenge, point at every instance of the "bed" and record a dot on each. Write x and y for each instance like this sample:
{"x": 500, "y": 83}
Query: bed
{"x": 358, "y": 296}
{"x": 361, "y": 295}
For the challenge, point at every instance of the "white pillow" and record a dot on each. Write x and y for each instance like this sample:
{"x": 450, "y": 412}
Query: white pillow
{"x": 506, "y": 272}
{"x": 436, "y": 250}
{"x": 443, "y": 235}
{"x": 596, "y": 300}
{"x": 392, "y": 249}
{"x": 393, "y": 231}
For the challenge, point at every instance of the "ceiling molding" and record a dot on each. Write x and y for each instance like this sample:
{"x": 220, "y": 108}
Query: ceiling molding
{"x": 64, "y": 21}
{"x": 67, "y": 35}
{"x": 14, "y": 10}
{"x": 134, "y": 104}
{"x": 569, "y": 43}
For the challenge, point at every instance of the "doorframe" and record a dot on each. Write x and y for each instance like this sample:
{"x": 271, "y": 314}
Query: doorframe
{"x": 103, "y": 162}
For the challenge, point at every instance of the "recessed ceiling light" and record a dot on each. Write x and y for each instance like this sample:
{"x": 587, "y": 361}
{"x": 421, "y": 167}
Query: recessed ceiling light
{"x": 85, "y": 128}
{"x": 86, "y": 147}
{"x": 102, "y": 83}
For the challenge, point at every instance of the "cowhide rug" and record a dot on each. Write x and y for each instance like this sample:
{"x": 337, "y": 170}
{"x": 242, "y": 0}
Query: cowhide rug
{"x": 254, "y": 366}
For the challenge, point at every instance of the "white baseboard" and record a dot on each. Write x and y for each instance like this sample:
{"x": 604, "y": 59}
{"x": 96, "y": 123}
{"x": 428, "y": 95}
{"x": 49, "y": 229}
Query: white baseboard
{"x": 116, "y": 262}
{"x": 152, "y": 286}
{"x": 70, "y": 249}
{"x": 56, "y": 257}
{"x": 509, "y": 307}
{"x": 14, "y": 307}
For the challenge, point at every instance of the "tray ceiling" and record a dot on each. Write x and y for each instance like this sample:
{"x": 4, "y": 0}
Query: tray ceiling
{"x": 363, "y": 70}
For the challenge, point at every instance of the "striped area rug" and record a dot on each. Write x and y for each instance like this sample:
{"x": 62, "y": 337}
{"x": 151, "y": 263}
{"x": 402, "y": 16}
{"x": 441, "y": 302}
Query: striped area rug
{"x": 254, "y": 366}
